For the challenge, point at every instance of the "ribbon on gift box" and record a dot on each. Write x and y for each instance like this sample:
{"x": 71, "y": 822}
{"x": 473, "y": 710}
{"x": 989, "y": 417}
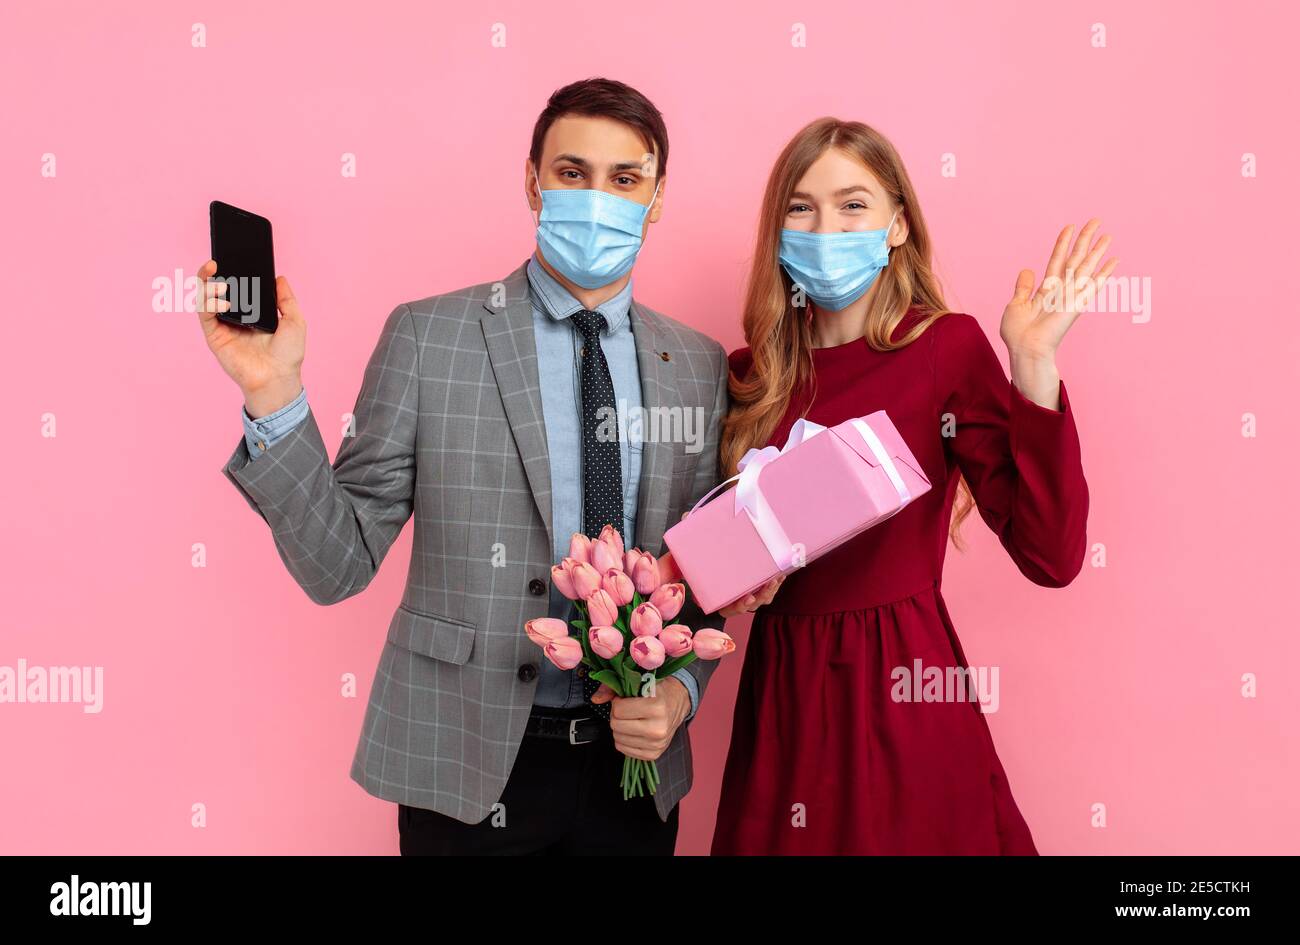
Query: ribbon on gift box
{"x": 750, "y": 499}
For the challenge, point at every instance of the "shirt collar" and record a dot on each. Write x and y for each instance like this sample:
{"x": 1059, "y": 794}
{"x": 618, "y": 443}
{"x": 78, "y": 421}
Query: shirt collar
{"x": 557, "y": 302}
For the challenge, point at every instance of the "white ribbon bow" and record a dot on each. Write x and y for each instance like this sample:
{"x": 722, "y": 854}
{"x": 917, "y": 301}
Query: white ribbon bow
{"x": 750, "y": 499}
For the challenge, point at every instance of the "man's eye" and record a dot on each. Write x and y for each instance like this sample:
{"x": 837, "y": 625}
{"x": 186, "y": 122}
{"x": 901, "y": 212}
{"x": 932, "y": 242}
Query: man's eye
{"x": 626, "y": 181}
{"x": 570, "y": 171}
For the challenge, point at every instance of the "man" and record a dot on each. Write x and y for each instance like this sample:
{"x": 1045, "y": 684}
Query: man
{"x": 480, "y": 410}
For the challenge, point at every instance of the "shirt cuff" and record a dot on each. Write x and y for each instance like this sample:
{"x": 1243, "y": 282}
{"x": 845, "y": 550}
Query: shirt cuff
{"x": 692, "y": 690}
{"x": 261, "y": 433}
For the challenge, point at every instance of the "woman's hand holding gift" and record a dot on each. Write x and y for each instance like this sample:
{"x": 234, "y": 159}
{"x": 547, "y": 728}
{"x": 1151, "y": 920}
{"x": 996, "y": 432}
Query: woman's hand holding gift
{"x": 753, "y": 600}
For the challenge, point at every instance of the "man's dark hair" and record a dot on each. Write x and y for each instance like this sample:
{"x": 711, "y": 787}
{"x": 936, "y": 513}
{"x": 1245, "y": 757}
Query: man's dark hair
{"x": 605, "y": 98}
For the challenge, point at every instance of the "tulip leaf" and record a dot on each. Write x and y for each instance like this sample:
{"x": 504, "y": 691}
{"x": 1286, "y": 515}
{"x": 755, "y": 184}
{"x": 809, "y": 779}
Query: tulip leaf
{"x": 632, "y": 677}
{"x": 610, "y": 679}
{"x": 676, "y": 663}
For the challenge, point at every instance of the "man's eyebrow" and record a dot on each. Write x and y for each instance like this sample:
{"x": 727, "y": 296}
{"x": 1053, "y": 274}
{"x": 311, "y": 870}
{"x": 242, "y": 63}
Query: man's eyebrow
{"x": 572, "y": 159}
{"x": 619, "y": 168}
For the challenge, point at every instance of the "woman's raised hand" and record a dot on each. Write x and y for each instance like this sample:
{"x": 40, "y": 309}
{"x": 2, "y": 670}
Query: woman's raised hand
{"x": 1035, "y": 322}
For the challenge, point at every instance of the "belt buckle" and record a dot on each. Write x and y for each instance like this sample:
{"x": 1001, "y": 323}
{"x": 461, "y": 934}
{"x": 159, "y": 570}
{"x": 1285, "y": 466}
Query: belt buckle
{"x": 573, "y": 732}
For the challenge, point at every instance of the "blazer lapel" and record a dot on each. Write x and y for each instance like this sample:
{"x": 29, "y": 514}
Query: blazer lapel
{"x": 658, "y": 390}
{"x": 512, "y": 348}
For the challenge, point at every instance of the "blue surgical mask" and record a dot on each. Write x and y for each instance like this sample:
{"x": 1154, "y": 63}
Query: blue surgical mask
{"x": 591, "y": 237}
{"x": 835, "y": 269}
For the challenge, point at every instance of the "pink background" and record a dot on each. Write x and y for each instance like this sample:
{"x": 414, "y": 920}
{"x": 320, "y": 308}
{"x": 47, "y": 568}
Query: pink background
{"x": 222, "y": 684}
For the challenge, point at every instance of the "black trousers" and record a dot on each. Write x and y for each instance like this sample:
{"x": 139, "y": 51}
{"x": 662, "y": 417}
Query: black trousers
{"x": 560, "y": 800}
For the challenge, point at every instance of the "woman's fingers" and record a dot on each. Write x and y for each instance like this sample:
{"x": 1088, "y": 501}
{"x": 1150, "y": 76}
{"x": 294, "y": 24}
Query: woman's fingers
{"x": 769, "y": 590}
{"x": 740, "y": 606}
{"x": 1088, "y": 288}
{"x": 1081, "y": 245}
{"x": 754, "y": 600}
{"x": 1086, "y": 267}
{"x": 1056, "y": 262}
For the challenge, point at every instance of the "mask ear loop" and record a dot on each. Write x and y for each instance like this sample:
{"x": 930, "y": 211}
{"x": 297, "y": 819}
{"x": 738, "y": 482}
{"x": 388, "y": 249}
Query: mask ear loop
{"x": 651, "y": 205}
{"x": 891, "y": 225}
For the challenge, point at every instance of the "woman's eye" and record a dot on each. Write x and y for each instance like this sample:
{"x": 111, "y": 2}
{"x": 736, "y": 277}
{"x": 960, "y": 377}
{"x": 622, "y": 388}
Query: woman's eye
{"x": 855, "y": 205}
{"x": 798, "y": 208}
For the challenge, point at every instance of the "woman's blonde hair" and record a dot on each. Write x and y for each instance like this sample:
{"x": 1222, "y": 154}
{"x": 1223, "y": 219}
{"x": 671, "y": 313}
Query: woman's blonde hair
{"x": 780, "y": 335}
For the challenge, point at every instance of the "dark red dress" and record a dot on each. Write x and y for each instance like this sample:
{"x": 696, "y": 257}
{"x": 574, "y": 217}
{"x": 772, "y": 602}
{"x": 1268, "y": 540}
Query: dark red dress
{"x": 823, "y": 759}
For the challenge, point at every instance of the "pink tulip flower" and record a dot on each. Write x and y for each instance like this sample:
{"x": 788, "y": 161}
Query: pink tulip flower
{"x": 647, "y": 652}
{"x": 606, "y": 642}
{"x": 669, "y": 599}
{"x": 601, "y": 609}
{"x": 544, "y": 629}
{"x": 609, "y": 535}
{"x": 564, "y": 652}
{"x": 645, "y": 574}
{"x": 712, "y": 644}
{"x": 580, "y": 547}
{"x": 676, "y": 639}
{"x": 646, "y": 621}
{"x": 618, "y": 585}
{"x": 630, "y": 558}
{"x": 605, "y": 558}
{"x": 562, "y": 578}
{"x": 586, "y": 579}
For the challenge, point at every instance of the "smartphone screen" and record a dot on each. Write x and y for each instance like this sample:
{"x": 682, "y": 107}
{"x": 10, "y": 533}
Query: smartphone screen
{"x": 241, "y": 246}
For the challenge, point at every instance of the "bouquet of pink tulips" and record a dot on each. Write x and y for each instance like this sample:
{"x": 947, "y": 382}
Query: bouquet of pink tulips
{"x": 625, "y": 637}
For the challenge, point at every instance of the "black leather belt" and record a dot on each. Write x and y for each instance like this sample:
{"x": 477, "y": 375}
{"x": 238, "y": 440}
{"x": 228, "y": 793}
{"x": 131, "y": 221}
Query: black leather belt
{"x": 574, "y": 726}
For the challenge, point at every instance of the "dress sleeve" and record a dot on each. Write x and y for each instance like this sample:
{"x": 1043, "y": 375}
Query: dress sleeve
{"x": 1021, "y": 460}
{"x": 739, "y": 361}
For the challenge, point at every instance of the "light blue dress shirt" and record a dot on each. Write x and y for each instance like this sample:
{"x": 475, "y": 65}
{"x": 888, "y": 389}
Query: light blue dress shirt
{"x": 558, "y": 343}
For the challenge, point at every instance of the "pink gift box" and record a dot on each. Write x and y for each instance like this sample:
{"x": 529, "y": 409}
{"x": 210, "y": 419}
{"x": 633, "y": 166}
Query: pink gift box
{"x": 789, "y": 507}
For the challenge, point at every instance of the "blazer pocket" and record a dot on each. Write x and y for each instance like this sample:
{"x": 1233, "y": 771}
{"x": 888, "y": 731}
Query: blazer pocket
{"x": 429, "y": 635}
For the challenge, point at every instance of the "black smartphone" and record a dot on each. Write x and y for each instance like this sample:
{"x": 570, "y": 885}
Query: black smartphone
{"x": 241, "y": 246}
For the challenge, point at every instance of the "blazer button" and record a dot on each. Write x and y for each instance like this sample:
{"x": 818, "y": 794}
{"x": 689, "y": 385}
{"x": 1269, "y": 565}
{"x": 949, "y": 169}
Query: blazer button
{"x": 537, "y": 587}
{"x": 527, "y": 672}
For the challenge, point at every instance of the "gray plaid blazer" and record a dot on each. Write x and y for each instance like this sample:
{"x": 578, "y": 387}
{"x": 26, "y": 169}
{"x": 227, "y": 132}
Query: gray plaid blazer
{"x": 449, "y": 425}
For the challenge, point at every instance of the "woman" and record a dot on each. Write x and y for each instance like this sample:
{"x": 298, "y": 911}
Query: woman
{"x": 844, "y": 316}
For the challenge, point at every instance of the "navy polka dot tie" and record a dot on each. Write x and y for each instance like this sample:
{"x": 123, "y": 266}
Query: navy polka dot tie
{"x": 602, "y": 465}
